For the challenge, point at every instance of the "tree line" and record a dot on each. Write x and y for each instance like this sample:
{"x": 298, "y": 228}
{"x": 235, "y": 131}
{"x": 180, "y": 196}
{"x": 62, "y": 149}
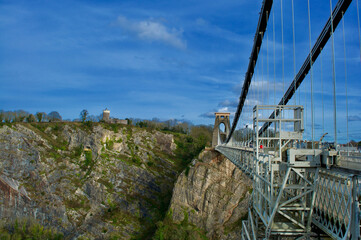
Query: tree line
{"x": 200, "y": 132}
{"x": 53, "y": 116}
{"x": 24, "y": 116}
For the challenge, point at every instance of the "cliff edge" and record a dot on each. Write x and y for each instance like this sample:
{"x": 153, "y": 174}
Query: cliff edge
{"x": 210, "y": 198}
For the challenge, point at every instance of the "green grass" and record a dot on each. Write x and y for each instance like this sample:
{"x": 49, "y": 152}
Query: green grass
{"x": 27, "y": 229}
{"x": 109, "y": 144}
{"x": 169, "y": 230}
{"x": 88, "y": 159}
{"x": 77, "y": 202}
{"x": 107, "y": 184}
{"x": 78, "y": 151}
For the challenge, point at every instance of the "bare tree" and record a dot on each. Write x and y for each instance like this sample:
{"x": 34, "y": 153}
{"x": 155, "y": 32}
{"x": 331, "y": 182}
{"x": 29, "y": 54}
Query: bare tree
{"x": 54, "y": 117}
{"x": 8, "y": 116}
{"x": 20, "y": 115}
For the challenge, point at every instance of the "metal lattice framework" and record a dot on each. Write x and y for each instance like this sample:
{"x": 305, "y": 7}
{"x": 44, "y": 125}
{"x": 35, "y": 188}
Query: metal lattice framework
{"x": 336, "y": 209}
{"x": 295, "y": 188}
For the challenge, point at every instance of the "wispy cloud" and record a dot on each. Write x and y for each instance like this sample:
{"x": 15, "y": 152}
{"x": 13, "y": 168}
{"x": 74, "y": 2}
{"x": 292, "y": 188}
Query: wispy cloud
{"x": 261, "y": 86}
{"x": 211, "y": 113}
{"x": 210, "y": 29}
{"x": 354, "y": 118}
{"x": 228, "y": 103}
{"x": 207, "y": 115}
{"x": 152, "y": 30}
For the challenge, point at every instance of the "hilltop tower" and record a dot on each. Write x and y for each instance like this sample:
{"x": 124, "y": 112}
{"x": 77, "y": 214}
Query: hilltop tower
{"x": 106, "y": 115}
{"x": 221, "y": 118}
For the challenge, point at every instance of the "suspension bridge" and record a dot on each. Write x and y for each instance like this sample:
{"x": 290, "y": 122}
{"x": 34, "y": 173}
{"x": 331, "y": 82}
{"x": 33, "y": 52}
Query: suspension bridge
{"x": 301, "y": 188}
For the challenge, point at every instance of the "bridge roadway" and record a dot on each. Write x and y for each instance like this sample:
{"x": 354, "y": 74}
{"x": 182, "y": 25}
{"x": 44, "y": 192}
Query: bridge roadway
{"x": 297, "y": 191}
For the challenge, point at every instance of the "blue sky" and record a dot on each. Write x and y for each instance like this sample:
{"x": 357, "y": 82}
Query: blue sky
{"x": 165, "y": 59}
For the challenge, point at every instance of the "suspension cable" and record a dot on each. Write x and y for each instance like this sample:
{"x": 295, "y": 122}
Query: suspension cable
{"x": 294, "y": 46}
{"x": 305, "y": 95}
{"x": 358, "y": 23}
{"x": 267, "y": 59}
{"x": 261, "y": 28}
{"x": 344, "y": 55}
{"x": 274, "y": 58}
{"x": 267, "y": 76}
{"x": 323, "y": 109}
{"x": 254, "y": 90}
{"x": 261, "y": 96}
{"x": 283, "y": 60}
{"x": 342, "y": 5}
{"x": 311, "y": 74}
{"x": 261, "y": 100}
{"x": 256, "y": 79}
{"x": 274, "y": 64}
{"x": 333, "y": 77}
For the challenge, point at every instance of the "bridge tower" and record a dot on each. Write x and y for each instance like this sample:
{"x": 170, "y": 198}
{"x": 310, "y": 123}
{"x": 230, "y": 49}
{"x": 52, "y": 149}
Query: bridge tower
{"x": 217, "y": 135}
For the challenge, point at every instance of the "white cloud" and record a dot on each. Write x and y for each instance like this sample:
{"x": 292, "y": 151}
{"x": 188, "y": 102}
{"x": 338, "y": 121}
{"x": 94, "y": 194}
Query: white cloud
{"x": 353, "y": 118}
{"x": 153, "y": 31}
{"x": 211, "y": 113}
{"x": 202, "y": 25}
{"x": 252, "y": 102}
{"x": 223, "y": 109}
{"x": 208, "y": 115}
{"x": 228, "y": 103}
{"x": 262, "y": 86}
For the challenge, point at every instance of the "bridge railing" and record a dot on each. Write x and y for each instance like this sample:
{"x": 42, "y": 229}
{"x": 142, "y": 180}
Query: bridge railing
{"x": 291, "y": 194}
{"x": 337, "y": 208}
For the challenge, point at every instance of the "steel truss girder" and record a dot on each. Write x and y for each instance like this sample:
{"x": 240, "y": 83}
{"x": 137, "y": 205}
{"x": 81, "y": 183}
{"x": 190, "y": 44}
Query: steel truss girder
{"x": 288, "y": 196}
{"x": 286, "y": 202}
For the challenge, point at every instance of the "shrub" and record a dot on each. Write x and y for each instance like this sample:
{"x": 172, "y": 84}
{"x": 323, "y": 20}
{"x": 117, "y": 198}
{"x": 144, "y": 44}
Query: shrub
{"x": 109, "y": 144}
{"x": 27, "y": 229}
{"x": 88, "y": 158}
{"x": 78, "y": 150}
{"x": 169, "y": 230}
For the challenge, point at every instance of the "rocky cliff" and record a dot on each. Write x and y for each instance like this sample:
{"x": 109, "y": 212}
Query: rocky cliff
{"x": 89, "y": 181}
{"x": 109, "y": 181}
{"x": 212, "y": 195}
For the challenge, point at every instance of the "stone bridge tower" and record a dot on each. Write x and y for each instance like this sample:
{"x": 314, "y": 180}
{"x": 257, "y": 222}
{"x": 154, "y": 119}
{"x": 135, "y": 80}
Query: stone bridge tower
{"x": 221, "y": 118}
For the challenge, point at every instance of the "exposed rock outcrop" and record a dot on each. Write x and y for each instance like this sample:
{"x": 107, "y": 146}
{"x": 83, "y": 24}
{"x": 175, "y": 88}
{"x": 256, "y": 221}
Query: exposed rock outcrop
{"x": 106, "y": 181}
{"x": 214, "y": 194}
{"x": 96, "y": 181}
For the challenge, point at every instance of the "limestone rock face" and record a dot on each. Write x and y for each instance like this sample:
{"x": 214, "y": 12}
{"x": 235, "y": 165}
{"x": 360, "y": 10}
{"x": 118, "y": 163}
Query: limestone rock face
{"x": 92, "y": 182}
{"x": 214, "y": 194}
